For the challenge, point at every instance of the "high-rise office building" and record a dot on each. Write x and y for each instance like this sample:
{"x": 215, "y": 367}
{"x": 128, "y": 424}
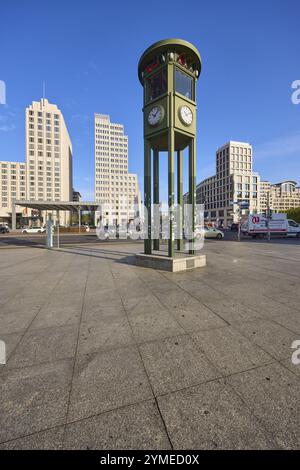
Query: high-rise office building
{"x": 116, "y": 190}
{"x": 48, "y": 154}
{"x": 12, "y": 186}
{"x": 280, "y": 196}
{"x": 234, "y": 181}
{"x": 76, "y": 196}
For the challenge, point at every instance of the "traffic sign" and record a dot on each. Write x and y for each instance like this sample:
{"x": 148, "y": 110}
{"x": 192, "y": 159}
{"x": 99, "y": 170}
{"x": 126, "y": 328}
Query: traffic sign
{"x": 244, "y": 204}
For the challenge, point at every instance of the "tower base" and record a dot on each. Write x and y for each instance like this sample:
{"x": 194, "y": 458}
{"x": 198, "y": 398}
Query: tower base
{"x": 182, "y": 262}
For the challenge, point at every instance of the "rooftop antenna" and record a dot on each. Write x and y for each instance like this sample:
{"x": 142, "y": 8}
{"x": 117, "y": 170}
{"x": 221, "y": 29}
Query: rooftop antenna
{"x": 44, "y": 90}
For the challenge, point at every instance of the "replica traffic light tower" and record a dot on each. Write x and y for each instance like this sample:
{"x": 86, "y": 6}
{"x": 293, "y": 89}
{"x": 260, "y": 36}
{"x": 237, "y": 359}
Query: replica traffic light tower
{"x": 168, "y": 71}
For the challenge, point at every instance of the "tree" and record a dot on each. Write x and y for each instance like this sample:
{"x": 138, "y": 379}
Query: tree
{"x": 294, "y": 214}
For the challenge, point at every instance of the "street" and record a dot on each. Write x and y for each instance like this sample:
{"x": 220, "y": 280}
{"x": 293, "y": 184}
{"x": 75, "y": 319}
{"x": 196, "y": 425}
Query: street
{"x": 39, "y": 240}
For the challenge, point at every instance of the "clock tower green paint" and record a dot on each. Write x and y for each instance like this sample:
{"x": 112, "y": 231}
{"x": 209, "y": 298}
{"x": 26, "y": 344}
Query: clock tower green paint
{"x": 168, "y": 71}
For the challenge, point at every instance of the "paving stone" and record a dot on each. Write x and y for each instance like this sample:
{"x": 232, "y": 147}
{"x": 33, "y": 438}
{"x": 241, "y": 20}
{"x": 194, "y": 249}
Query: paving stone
{"x": 229, "y": 350}
{"x": 273, "y": 338}
{"x": 289, "y": 299}
{"x": 33, "y": 398}
{"x": 232, "y": 311}
{"x": 107, "y": 333}
{"x": 265, "y": 306}
{"x": 210, "y": 416}
{"x": 96, "y": 282}
{"x": 127, "y": 292}
{"x": 200, "y": 318}
{"x": 295, "y": 368}
{"x": 290, "y": 320}
{"x": 87, "y": 287}
{"x": 16, "y": 321}
{"x": 93, "y": 315}
{"x": 175, "y": 363}
{"x": 44, "y": 440}
{"x": 46, "y": 345}
{"x": 57, "y": 315}
{"x": 132, "y": 427}
{"x": 11, "y": 342}
{"x": 151, "y": 326}
{"x": 174, "y": 297}
{"x": 272, "y": 393}
{"x": 107, "y": 380}
{"x": 198, "y": 289}
{"x": 103, "y": 298}
{"x": 138, "y": 305}
{"x": 158, "y": 284}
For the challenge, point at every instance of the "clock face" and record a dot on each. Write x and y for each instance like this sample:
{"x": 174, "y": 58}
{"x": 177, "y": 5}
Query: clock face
{"x": 155, "y": 115}
{"x": 186, "y": 115}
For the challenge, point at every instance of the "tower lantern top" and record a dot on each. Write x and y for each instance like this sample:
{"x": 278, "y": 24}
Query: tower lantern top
{"x": 170, "y": 50}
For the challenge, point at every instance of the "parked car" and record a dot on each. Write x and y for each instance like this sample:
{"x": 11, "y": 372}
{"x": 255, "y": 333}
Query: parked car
{"x": 33, "y": 230}
{"x": 211, "y": 232}
{"x": 4, "y": 229}
{"x": 106, "y": 232}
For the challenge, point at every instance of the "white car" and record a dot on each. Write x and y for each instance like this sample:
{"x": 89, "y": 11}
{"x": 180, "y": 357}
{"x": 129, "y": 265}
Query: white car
{"x": 211, "y": 232}
{"x": 106, "y": 232}
{"x": 33, "y": 230}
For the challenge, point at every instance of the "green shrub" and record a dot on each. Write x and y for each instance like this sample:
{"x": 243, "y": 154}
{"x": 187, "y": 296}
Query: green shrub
{"x": 294, "y": 214}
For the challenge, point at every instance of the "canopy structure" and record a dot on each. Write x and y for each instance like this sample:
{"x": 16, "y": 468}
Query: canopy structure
{"x": 78, "y": 206}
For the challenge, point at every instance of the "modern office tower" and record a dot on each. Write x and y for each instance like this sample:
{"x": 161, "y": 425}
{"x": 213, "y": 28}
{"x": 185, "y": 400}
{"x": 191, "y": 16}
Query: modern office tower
{"x": 265, "y": 199}
{"x": 234, "y": 181}
{"x": 76, "y": 196}
{"x": 279, "y": 197}
{"x": 48, "y": 155}
{"x": 116, "y": 190}
{"x": 12, "y": 186}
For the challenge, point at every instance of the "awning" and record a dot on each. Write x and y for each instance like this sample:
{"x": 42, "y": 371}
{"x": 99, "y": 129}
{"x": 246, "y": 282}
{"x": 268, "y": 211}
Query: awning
{"x": 58, "y": 205}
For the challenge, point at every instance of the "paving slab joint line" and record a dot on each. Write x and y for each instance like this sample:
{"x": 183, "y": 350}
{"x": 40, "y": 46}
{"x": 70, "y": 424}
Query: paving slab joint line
{"x": 194, "y": 297}
{"x": 25, "y": 287}
{"x": 76, "y": 349}
{"x": 261, "y": 347}
{"x": 174, "y": 318}
{"x": 198, "y": 346}
{"x": 64, "y": 425}
{"x": 251, "y": 411}
{"x": 215, "y": 379}
{"x": 143, "y": 401}
{"x": 28, "y": 327}
{"x": 144, "y": 367}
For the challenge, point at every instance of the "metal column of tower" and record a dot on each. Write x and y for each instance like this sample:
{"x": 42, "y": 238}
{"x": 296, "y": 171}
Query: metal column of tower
{"x": 180, "y": 196}
{"x": 156, "y": 215}
{"x": 147, "y": 196}
{"x": 171, "y": 144}
{"x": 192, "y": 186}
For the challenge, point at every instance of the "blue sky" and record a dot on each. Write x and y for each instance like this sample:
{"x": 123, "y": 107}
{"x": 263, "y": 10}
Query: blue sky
{"x": 87, "y": 53}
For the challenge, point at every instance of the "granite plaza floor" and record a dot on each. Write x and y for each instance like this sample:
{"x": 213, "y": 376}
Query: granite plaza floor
{"x": 105, "y": 355}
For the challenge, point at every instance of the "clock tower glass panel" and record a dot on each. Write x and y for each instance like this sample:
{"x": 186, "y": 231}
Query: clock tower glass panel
{"x": 156, "y": 85}
{"x": 183, "y": 84}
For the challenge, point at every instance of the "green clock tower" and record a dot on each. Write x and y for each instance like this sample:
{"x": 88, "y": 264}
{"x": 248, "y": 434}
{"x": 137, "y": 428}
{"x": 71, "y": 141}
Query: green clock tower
{"x": 168, "y": 71}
